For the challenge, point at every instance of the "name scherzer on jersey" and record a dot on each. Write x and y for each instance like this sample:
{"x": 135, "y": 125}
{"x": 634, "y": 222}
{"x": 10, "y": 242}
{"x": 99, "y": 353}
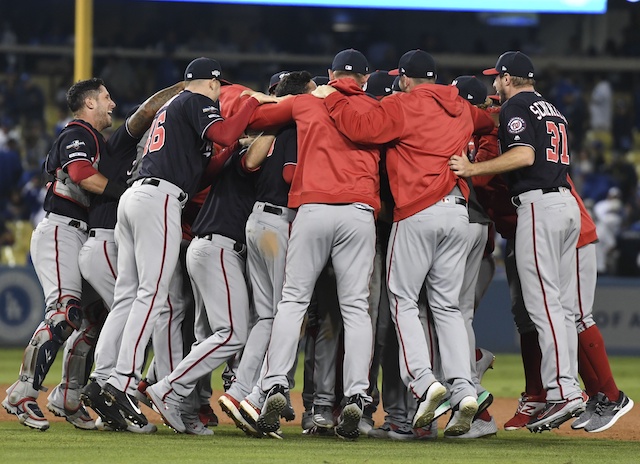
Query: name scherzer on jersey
{"x": 527, "y": 119}
{"x": 176, "y": 149}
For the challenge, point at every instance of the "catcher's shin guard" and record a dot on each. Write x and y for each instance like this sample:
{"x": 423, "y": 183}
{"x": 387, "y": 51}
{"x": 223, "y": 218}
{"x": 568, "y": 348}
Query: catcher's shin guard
{"x": 59, "y": 323}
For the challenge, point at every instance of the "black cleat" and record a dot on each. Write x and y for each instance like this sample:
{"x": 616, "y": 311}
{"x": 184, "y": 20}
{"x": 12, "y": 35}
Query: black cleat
{"x": 92, "y": 398}
{"x": 127, "y": 404}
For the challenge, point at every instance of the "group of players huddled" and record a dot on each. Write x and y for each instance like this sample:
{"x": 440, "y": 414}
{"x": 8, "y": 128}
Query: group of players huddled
{"x": 358, "y": 210}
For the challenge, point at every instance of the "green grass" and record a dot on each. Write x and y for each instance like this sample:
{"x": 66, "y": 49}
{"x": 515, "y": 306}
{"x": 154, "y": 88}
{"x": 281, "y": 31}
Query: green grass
{"x": 64, "y": 444}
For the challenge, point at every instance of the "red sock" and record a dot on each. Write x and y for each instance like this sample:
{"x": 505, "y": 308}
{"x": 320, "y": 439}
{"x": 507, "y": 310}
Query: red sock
{"x": 590, "y": 342}
{"x": 531, "y": 361}
{"x": 588, "y": 375}
{"x": 485, "y": 416}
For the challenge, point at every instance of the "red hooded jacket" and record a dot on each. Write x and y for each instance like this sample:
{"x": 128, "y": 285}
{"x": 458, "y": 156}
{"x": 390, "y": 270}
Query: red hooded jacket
{"x": 423, "y": 129}
{"x": 331, "y": 168}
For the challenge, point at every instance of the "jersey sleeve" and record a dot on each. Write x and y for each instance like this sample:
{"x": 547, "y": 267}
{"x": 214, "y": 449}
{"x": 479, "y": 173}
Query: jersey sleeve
{"x": 122, "y": 144}
{"x": 76, "y": 145}
{"x": 516, "y": 127}
{"x": 290, "y": 139}
{"x": 201, "y": 112}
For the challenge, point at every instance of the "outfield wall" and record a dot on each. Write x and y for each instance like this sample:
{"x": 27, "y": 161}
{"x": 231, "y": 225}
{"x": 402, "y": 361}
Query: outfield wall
{"x": 617, "y": 312}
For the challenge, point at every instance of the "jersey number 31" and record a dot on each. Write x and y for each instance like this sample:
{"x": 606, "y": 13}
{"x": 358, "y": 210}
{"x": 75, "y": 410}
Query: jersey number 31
{"x": 558, "y": 149}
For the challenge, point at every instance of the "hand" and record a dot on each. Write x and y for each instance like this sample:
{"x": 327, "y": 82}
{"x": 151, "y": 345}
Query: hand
{"x": 323, "y": 91}
{"x": 461, "y": 165}
{"x": 261, "y": 97}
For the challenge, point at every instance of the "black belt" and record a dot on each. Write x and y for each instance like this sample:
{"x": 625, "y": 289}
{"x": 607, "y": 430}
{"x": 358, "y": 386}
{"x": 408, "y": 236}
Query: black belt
{"x": 238, "y": 247}
{"x": 156, "y": 182}
{"x": 456, "y": 200}
{"x": 272, "y": 210}
{"x": 92, "y": 233}
{"x": 73, "y": 222}
{"x": 516, "y": 200}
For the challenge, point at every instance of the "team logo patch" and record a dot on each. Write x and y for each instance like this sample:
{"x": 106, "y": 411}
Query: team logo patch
{"x": 75, "y": 145}
{"x": 516, "y": 125}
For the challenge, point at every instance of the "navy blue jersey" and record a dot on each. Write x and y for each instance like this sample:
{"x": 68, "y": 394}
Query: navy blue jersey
{"x": 115, "y": 165}
{"x": 176, "y": 149}
{"x": 528, "y": 119}
{"x": 270, "y": 185}
{"x": 78, "y": 141}
{"x": 229, "y": 203}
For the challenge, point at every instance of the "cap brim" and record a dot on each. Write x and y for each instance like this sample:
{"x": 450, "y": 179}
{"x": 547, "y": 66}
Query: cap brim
{"x": 225, "y": 82}
{"x": 491, "y": 72}
{"x": 394, "y": 72}
{"x": 494, "y": 97}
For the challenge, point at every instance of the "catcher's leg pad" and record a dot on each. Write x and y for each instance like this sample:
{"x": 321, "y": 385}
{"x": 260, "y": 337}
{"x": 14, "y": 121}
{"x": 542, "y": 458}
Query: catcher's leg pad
{"x": 59, "y": 323}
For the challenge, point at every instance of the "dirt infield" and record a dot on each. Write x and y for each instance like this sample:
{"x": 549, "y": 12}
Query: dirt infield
{"x": 627, "y": 428}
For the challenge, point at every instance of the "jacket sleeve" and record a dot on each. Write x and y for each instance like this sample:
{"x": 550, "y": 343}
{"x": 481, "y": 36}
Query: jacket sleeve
{"x": 483, "y": 123}
{"x": 272, "y": 116}
{"x": 377, "y": 125}
{"x": 487, "y": 149}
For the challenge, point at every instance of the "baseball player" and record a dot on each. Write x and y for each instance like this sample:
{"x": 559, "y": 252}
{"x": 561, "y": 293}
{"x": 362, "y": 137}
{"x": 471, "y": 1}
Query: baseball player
{"x": 593, "y": 365}
{"x": 216, "y": 264}
{"x": 336, "y": 205}
{"x": 533, "y": 137}
{"x": 148, "y": 229}
{"x": 98, "y": 256}
{"x": 439, "y": 246}
{"x": 267, "y": 232}
{"x": 55, "y": 244}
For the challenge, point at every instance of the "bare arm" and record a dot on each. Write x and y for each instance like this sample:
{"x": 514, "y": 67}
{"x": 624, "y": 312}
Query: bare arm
{"x": 258, "y": 151}
{"x": 518, "y": 157}
{"x": 141, "y": 120}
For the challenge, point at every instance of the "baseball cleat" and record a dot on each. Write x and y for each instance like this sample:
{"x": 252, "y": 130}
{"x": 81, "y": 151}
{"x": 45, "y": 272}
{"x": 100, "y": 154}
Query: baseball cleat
{"x": 79, "y": 419}
{"x": 608, "y": 412}
{"x": 347, "y": 427}
{"x": 307, "y": 420}
{"x": 146, "y": 429}
{"x": 168, "y": 409}
{"x": 463, "y": 414}
{"x": 126, "y": 403}
{"x": 443, "y": 408}
{"x": 366, "y": 425}
{"x": 231, "y": 407}
{"x": 589, "y": 411}
{"x": 28, "y": 412}
{"x": 556, "y": 413}
{"x": 250, "y": 414}
{"x": 404, "y": 433}
{"x": 323, "y": 416}
{"x": 383, "y": 430}
{"x": 207, "y": 416}
{"x": 193, "y": 425}
{"x": 427, "y": 405}
{"x": 109, "y": 414}
{"x": 484, "y": 401}
{"x": 288, "y": 413}
{"x": 140, "y": 393}
{"x": 480, "y": 428}
{"x": 528, "y": 407}
{"x": 274, "y": 404}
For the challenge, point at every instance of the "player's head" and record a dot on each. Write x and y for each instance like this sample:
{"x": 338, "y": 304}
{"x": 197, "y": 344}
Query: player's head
{"x": 204, "y": 75}
{"x": 352, "y": 64}
{"x": 414, "y": 68}
{"x": 89, "y": 100}
{"x": 514, "y": 72}
{"x": 395, "y": 87}
{"x": 379, "y": 84}
{"x": 295, "y": 83}
{"x": 471, "y": 89}
{"x": 275, "y": 79}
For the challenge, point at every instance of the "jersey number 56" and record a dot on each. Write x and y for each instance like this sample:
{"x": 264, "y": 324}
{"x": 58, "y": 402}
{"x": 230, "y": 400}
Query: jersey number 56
{"x": 156, "y": 136}
{"x": 558, "y": 149}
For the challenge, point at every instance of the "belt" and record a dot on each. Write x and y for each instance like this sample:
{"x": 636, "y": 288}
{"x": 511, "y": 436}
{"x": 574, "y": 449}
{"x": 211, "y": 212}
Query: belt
{"x": 272, "y": 209}
{"x": 517, "y": 202}
{"x": 238, "y": 247}
{"x": 102, "y": 234}
{"x": 92, "y": 233}
{"x": 71, "y": 222}
{"x": 156, "y": 182}
{"x": 456, "y": 200}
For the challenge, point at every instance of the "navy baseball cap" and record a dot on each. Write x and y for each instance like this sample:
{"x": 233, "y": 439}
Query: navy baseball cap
{"x": 395, "y": 87}
{"x": 515, "y": 63}
{"x": 350, "y": 60}
{"x": 321, "y": 80}
{"x": 379, "y": 84}
{"x": 416, "y": 63}
{"x": 204, "y": 68}
{"x": 471, "y": 89}
{"x": 275, "y": 79}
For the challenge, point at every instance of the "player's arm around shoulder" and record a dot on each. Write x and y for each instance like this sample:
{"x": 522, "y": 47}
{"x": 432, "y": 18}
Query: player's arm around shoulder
{"x": 272, "y": 117}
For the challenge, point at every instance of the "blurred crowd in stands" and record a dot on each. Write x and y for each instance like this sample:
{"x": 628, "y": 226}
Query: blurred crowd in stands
{"x": 603, "y": 108}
